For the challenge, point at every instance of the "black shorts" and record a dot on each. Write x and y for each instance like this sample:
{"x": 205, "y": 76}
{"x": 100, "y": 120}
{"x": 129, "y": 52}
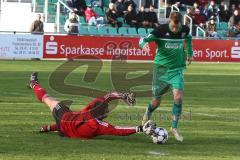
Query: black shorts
{"x": 58, "y": 112}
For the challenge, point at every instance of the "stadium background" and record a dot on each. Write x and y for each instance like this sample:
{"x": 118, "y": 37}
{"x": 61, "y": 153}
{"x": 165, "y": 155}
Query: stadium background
{"x": 30, "y": 37}
{"x": 210, "y": 122}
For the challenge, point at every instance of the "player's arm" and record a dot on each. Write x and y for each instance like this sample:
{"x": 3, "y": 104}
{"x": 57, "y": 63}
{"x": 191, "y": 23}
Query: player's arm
{"x": 189, "y": 49}
{"x": 129, "y": 98}
{"x": 99, "y": 107}
{"x": 143, "y": 42}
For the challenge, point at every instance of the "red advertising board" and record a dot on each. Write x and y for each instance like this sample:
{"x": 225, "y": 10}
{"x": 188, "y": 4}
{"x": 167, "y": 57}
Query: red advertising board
{"x": 106, "y": 47}
{"x": 101, "y": 47}
{"x": 216, "y": 50}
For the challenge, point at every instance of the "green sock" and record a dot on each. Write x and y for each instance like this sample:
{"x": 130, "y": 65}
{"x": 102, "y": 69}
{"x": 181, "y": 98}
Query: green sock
{"x": 149, "y": 111}
{"x": 174, "y": 124}
{"x": 151, "y": 108}
{"x": 176, "y": 112}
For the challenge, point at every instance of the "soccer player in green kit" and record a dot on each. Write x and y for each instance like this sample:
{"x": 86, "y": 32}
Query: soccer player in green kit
{"x": 169, "y": 64}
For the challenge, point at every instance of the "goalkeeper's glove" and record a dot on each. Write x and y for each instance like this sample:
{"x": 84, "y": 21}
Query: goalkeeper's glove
{"x": 149, "y": 127}
{"x": 129, "y": 98}
{"x": 139, "y": 129}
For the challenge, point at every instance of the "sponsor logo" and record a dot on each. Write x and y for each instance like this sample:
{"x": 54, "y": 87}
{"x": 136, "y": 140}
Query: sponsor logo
{"x": 51, "y": 46}
{"x": 235, "y": 51}
{"x": 173, "y": 45}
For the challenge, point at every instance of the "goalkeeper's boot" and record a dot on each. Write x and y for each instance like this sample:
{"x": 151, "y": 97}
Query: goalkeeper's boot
{"x": 48, "y": 128}
{"x": 33, "y": 80}
{"x": 45, "y": 129}
{"x": 177, "y": 134}
{"x": 130, "y": 98}
{"x": 147, "y": 116}
{"x": 149, "y": 127}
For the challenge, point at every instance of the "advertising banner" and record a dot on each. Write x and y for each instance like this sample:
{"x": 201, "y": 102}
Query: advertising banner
{"x": 127, "y": 47}
{"x": 101, "y": 47}
{"x": 21, "y": 46}
{"x": 216, "y": 50}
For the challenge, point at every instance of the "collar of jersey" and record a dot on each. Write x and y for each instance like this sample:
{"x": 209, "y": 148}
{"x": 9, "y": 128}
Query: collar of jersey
{"x": 171, "y": 31}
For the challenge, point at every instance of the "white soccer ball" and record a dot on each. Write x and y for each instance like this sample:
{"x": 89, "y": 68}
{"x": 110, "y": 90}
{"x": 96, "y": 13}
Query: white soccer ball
{"x": 160, "y": 136}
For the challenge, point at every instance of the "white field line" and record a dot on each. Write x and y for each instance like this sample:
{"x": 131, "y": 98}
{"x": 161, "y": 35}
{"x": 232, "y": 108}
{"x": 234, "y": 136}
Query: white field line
{"x": 215, "y": 116}
{"x": 166, "y": 105}
{"x": 200, "y": 114}
{"x": 134, "y": 61}
{"x": 157, "y": 153}
{"x": 14, "y": 93}
{"x": 212, "y": 74}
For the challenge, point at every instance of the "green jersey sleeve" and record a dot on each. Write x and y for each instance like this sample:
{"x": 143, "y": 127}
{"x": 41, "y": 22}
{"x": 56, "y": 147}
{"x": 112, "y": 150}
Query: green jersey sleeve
{"x": 189, "y": 48}
{"x": 148, "y": 38}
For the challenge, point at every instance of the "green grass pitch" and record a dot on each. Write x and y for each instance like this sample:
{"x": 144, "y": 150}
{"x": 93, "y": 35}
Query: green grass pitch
{"x": 210, "y": 124}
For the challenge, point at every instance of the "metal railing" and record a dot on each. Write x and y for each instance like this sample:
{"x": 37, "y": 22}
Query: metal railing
{"x": 46, "y": 11}
{"x": 34, "y": 3}
{"x": 159, "y": 7}
{"x": 1, "y": 5}
{"x": 29, "y": 33}
{"x": 198, "y": 30}
{"x": 51, "y": 33}
{"x": 139, "y": 4}
{"x": 174, "y": 8}
{"x": 218, "y": 20}
{"x": 165, "y": 9}
{"x": 59, "y": 3}
{"x": 58, "y": 10}
{"x": 10, "y": 1}
{"x": 190, "y": 20}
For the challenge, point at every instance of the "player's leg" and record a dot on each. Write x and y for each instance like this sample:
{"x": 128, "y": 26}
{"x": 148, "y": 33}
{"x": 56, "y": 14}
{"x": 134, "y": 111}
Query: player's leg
{"x": 40, "y": 93}
{"x": 154, "y": 104}
{"x": 177, "y": 107}
{"x": 176, "y": 113}
{"x": 50, "y": 102}
{"x": 160, "y": 86}
{"x": 177, "y": 81}
{"x": 58, "y": 109}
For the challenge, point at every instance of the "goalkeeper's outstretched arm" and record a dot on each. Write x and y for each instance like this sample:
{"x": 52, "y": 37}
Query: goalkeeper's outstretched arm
{"x": 129, "y": 98}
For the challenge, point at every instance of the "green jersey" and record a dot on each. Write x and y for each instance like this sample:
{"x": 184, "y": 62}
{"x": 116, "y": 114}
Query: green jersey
{"x": 171, "y": 46}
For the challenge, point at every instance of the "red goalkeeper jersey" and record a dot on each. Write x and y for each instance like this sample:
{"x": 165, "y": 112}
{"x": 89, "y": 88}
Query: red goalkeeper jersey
{"x": 76, "y": 124}
{"x": 85, "y": 123}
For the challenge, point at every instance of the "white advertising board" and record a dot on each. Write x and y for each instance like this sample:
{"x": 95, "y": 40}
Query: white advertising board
{"x": 21, "y": 46}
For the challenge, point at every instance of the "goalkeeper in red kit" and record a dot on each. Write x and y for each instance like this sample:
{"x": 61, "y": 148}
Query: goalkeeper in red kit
{"x": 88, "y": 122}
